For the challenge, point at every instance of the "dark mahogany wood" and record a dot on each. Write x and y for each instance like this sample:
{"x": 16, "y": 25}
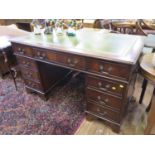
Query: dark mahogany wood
{"x": 113, "y": 87}
{"x": 108, "y": 61}
{"x": 103, "y": 112}
{"x": 108, "y": 68}
{"x": 104, "y": 99}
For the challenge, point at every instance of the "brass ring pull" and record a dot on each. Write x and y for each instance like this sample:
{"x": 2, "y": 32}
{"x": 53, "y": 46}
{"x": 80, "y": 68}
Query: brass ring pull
{"x": 21, "y": 51}
{"x": 69, "y": 60}
{"x": 99, "y": 97}
{"x": 104, "y": 113}
{"x": 98, "y": 110}
{"x": 107, "y": 86}
{"x": 101, "y": 68}
{"x": 28, "y": 64}
{"x": 106, "y": 100}
{"x": 113, "y": 88}
{"x": 72, "y": 63}
{"x": 100, "y": 101}
{"x": 102, "y": 88}
{"x": 41, "y": 56}
{"x": 100, "y": 84}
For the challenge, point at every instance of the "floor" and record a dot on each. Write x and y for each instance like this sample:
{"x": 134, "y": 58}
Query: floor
{"x": 136, "y": 126}
{"x": 133, "y": 124}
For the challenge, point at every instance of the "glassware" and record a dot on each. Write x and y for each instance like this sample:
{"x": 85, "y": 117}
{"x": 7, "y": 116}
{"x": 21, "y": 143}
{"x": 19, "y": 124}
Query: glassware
{"x": 38, "y": 25}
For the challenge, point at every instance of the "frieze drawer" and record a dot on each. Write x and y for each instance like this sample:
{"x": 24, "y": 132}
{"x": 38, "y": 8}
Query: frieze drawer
{"x": 72, "y": 61}
{"x": 43, "y": 54}
{"x": 22, "y": 50}
{"x": 108, "y": 69}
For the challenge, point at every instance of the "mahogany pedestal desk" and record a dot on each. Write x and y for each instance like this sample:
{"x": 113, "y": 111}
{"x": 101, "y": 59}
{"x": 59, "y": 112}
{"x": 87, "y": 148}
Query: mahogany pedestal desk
{"x": 148, "y": 72}
{"x": 108, "y": 61}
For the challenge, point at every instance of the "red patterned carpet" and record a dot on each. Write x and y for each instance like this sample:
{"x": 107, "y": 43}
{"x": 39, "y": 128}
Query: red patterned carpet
{"x": 24, "y": 114}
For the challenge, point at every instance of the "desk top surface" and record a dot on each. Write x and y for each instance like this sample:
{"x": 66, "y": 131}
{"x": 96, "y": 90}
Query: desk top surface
{"x": 98, "y": 43}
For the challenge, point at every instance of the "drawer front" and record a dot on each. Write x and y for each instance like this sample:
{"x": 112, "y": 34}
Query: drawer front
{"x": 104, "y": 99}
{"x": 22, "y": 50}
{"x": 71, "y": 61}
{"x": 33, "y": 85}
{"x": 28, "y": 63}
{"x": 68, "y": 60}
{"x": 103, "y": 112}
{"x": 106, "y": 85}
{"x": 44, "y": 54}
{"x": 29, "y": 74}
{"x": 109, "y": 69}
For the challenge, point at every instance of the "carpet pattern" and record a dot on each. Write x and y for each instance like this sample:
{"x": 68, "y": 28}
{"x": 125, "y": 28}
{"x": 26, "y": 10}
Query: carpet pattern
{"x": 26, "y": 114}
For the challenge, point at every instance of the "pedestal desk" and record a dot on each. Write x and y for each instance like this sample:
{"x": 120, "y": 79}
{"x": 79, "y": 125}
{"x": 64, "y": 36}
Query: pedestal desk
{"x": 108, "y": 61}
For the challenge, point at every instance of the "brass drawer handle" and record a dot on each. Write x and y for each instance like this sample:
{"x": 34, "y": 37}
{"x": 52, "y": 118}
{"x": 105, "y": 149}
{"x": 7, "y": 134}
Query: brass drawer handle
{"x": 41, "y": 56}
{"x": 99, "y": 98}
{"x": 101, "y": 113}
{"x": 101, "y": 68}
{"x": 44, "y": 55}
{"x": 113, "y": 88}
{"x": 21, "y": 51}
{"x": 38, "y": 54}
{"x": 100, "y": 101}
{"x": 121, "y": 86}
{"x": 106, "y": 86}
{"x": 100, "y": 86}
{"x": 98, "y": 110}
{"x": 26, "y": 63}
{"x": 106, "y": 100}
{"x": 72, "y": 63}
{"x": 69, "y": 60}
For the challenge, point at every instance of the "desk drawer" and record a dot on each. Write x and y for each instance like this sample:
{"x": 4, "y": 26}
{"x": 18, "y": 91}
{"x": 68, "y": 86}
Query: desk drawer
{"x": 71, "y": 61}
{"x": 22, "y": 50}
{"x": 103, "y": 112}
{"x": 33, "y": 85}
{"x": 28, "y": 63}
{"x": 102, "y": 84}
{"x": 44, "y": 54}
{"x": 104, "y": 99}
{"x": 29, "y": 74}
{"x": 108, "y": 69}
{"x": 68, "y": 60}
